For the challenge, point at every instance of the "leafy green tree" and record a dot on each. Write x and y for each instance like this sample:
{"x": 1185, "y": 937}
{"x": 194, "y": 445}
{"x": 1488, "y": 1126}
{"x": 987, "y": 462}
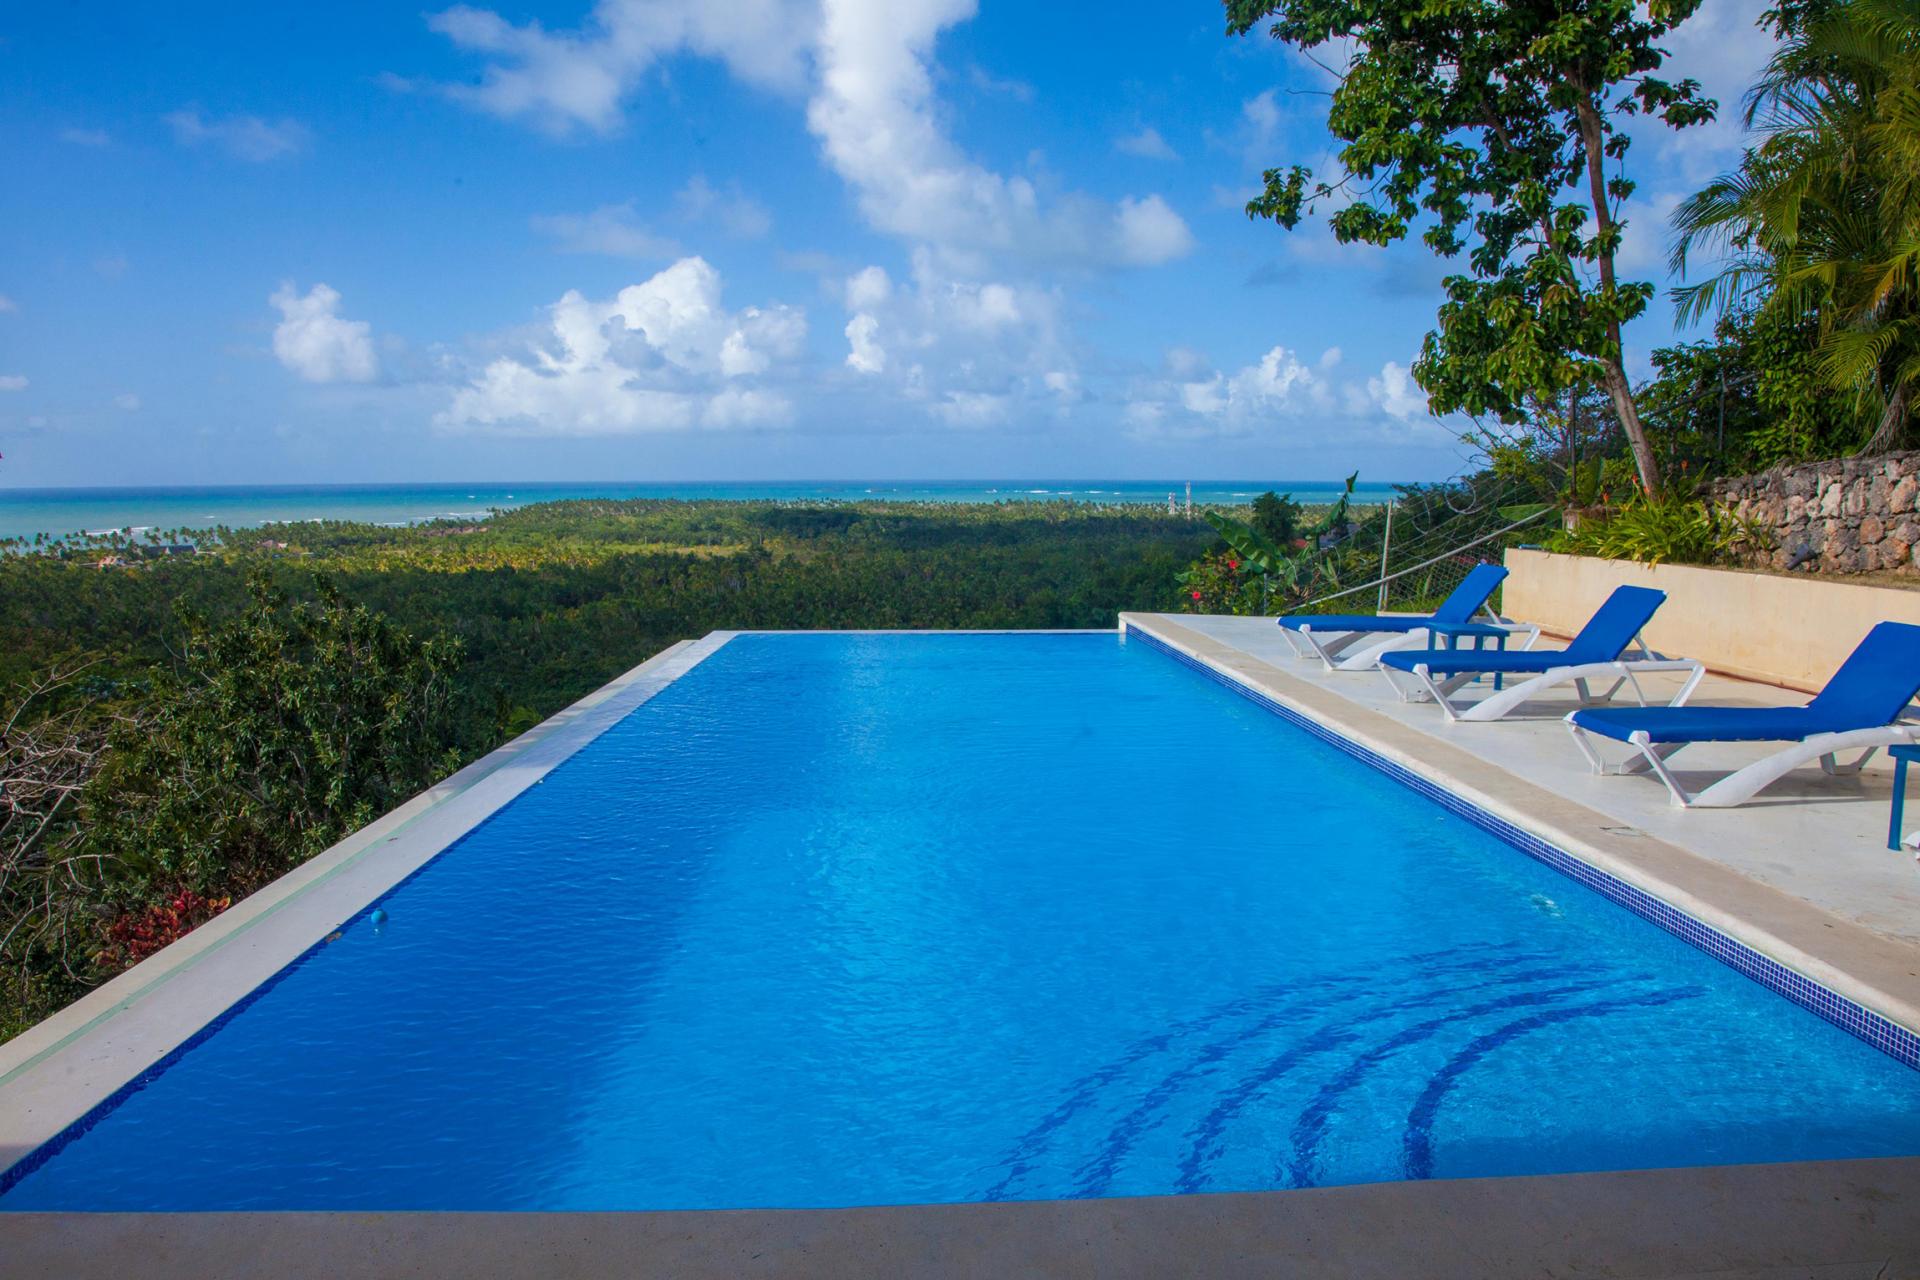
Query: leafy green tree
{"x": 282, "y": 731}
{"x": 1751, "y": 397}
{"x": 1491, "y": 125}
{"x": 1821, "y": 221}
{"x": 1278, "y": 516}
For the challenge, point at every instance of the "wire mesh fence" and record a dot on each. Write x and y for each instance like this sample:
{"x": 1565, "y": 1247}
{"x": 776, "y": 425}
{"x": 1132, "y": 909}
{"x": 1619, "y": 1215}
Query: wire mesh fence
{"x": 1407, "y": 555}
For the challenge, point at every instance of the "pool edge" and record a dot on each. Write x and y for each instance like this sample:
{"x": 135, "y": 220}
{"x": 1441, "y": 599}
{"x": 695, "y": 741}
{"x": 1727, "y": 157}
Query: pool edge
{"x": 1835, "y": 990}
{"x": 1831, "y": 1218}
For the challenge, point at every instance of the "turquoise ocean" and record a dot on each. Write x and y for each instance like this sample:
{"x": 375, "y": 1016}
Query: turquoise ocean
{"x": 60, "y": 512}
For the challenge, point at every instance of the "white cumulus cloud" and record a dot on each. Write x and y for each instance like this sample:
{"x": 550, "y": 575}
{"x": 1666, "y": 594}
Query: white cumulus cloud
{"x": 865, "y": 67}
{"x": 563, "y": 80}
{"x": 864, "y": 353}
{"x": 661, "y": 355}
{"x": 972, "y": 409}
{"x": 873, "y": 109}
{"x": 1149, "y": 232}
{"x": 967, "y": 352}
{"x": 1192, "y": 401}
{"x": 314, "y": 341}
{"x": 1395, "y": 391}
{"x": 868, "y": 287}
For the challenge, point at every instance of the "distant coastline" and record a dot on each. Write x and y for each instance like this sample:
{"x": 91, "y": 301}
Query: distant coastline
{"x": 59, "y": 512}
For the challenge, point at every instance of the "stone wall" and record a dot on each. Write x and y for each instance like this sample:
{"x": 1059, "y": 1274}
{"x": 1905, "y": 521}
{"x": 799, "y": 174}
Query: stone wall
{"x": 1855, "y": 515}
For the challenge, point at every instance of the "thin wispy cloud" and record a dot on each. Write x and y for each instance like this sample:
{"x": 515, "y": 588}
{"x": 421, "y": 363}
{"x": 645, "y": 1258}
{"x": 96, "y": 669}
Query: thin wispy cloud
{"x": 731, "y": 210}
{"x": 244, "y": 137}
{"x": 612, "y": 230}
{"x": 1147, "y": 144}
{"x": 999, "y": 86}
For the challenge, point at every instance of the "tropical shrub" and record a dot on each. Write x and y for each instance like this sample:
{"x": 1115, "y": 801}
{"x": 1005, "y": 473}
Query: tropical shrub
{"x": 1221, "y": 582}
{"x": 277, "y": 734}
{"x": 1659, "y": 530}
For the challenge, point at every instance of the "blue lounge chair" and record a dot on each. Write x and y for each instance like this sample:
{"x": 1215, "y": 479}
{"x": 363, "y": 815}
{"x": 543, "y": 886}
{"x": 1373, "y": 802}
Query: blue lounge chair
{"x": 1327, "y": 636}
{"x": 1858, "y": 710}
{"x": 1596, "y": 653}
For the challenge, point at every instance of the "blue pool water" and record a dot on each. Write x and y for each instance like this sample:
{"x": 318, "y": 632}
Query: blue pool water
{"x": 844, "y": 920}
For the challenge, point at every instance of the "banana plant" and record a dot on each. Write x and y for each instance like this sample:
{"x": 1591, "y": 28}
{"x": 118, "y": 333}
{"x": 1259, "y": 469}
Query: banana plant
{"x": 1279, "y": 568}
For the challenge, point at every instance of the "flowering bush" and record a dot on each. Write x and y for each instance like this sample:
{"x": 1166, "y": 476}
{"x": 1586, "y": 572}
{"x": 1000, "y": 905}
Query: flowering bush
{"x": 136, "y": 935}
{"x": 1220, "y": 582}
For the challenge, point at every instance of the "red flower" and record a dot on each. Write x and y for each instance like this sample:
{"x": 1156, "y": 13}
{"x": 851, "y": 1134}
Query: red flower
{"x": 1196, "y": 595}
{"x": 1233, "y": 564}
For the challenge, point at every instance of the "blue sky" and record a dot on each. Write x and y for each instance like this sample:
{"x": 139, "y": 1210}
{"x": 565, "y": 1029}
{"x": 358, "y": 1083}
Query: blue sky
{"x": 705, "y": 239}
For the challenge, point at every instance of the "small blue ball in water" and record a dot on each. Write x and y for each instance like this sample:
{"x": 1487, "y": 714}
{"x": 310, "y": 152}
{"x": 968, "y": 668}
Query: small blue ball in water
{"x": 379, "y": 916}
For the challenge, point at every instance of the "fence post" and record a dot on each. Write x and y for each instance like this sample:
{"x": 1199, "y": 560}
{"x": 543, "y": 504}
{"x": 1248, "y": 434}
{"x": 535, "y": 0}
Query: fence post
{"x": 1386, "y": 545}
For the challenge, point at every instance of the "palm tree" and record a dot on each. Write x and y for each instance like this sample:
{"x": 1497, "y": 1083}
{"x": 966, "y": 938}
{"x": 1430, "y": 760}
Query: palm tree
{"x": 1822, "y": 218}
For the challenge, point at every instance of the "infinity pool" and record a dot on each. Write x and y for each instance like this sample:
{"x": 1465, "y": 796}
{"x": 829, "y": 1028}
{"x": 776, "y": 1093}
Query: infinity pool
{"x": 861, "y": 919}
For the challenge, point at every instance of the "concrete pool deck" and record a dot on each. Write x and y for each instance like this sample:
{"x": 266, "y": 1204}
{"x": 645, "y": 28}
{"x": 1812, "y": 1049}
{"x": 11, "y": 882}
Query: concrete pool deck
{"x": 1837, "y": 1220}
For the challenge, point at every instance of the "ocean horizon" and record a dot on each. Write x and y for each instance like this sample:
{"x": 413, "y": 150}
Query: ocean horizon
{"x": 64, "y": 512}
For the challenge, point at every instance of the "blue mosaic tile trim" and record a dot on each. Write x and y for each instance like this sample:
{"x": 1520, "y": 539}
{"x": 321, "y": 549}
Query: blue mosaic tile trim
{"x": 1883, "y": 1034}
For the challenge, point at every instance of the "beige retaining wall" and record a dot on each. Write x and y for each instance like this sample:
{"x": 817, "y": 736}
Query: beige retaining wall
{"x": 1790, "y": 631}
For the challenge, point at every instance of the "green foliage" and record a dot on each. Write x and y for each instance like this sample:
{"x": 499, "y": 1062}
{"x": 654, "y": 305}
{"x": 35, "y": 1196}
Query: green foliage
{"x": 1255, "y": 568}
{"x": 279, "y": 732}
{"x": 1821, "y": 221}
{"x": 1473, "y": 120}
{"x": 1569, "y": 449}
{"x": 1221, "y": 582}
{"x": 1751, "y": 398}
{"x": 1670, "y": 528}
{"x": 1278, "y": 516}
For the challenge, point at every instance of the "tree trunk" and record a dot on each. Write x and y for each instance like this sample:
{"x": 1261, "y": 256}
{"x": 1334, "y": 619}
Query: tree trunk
{"x": 1893, "y": 423}
{"x": 1613, "y": 374}
{"x": 1573, "y": 446}
{"x": 1621, "y": 394}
